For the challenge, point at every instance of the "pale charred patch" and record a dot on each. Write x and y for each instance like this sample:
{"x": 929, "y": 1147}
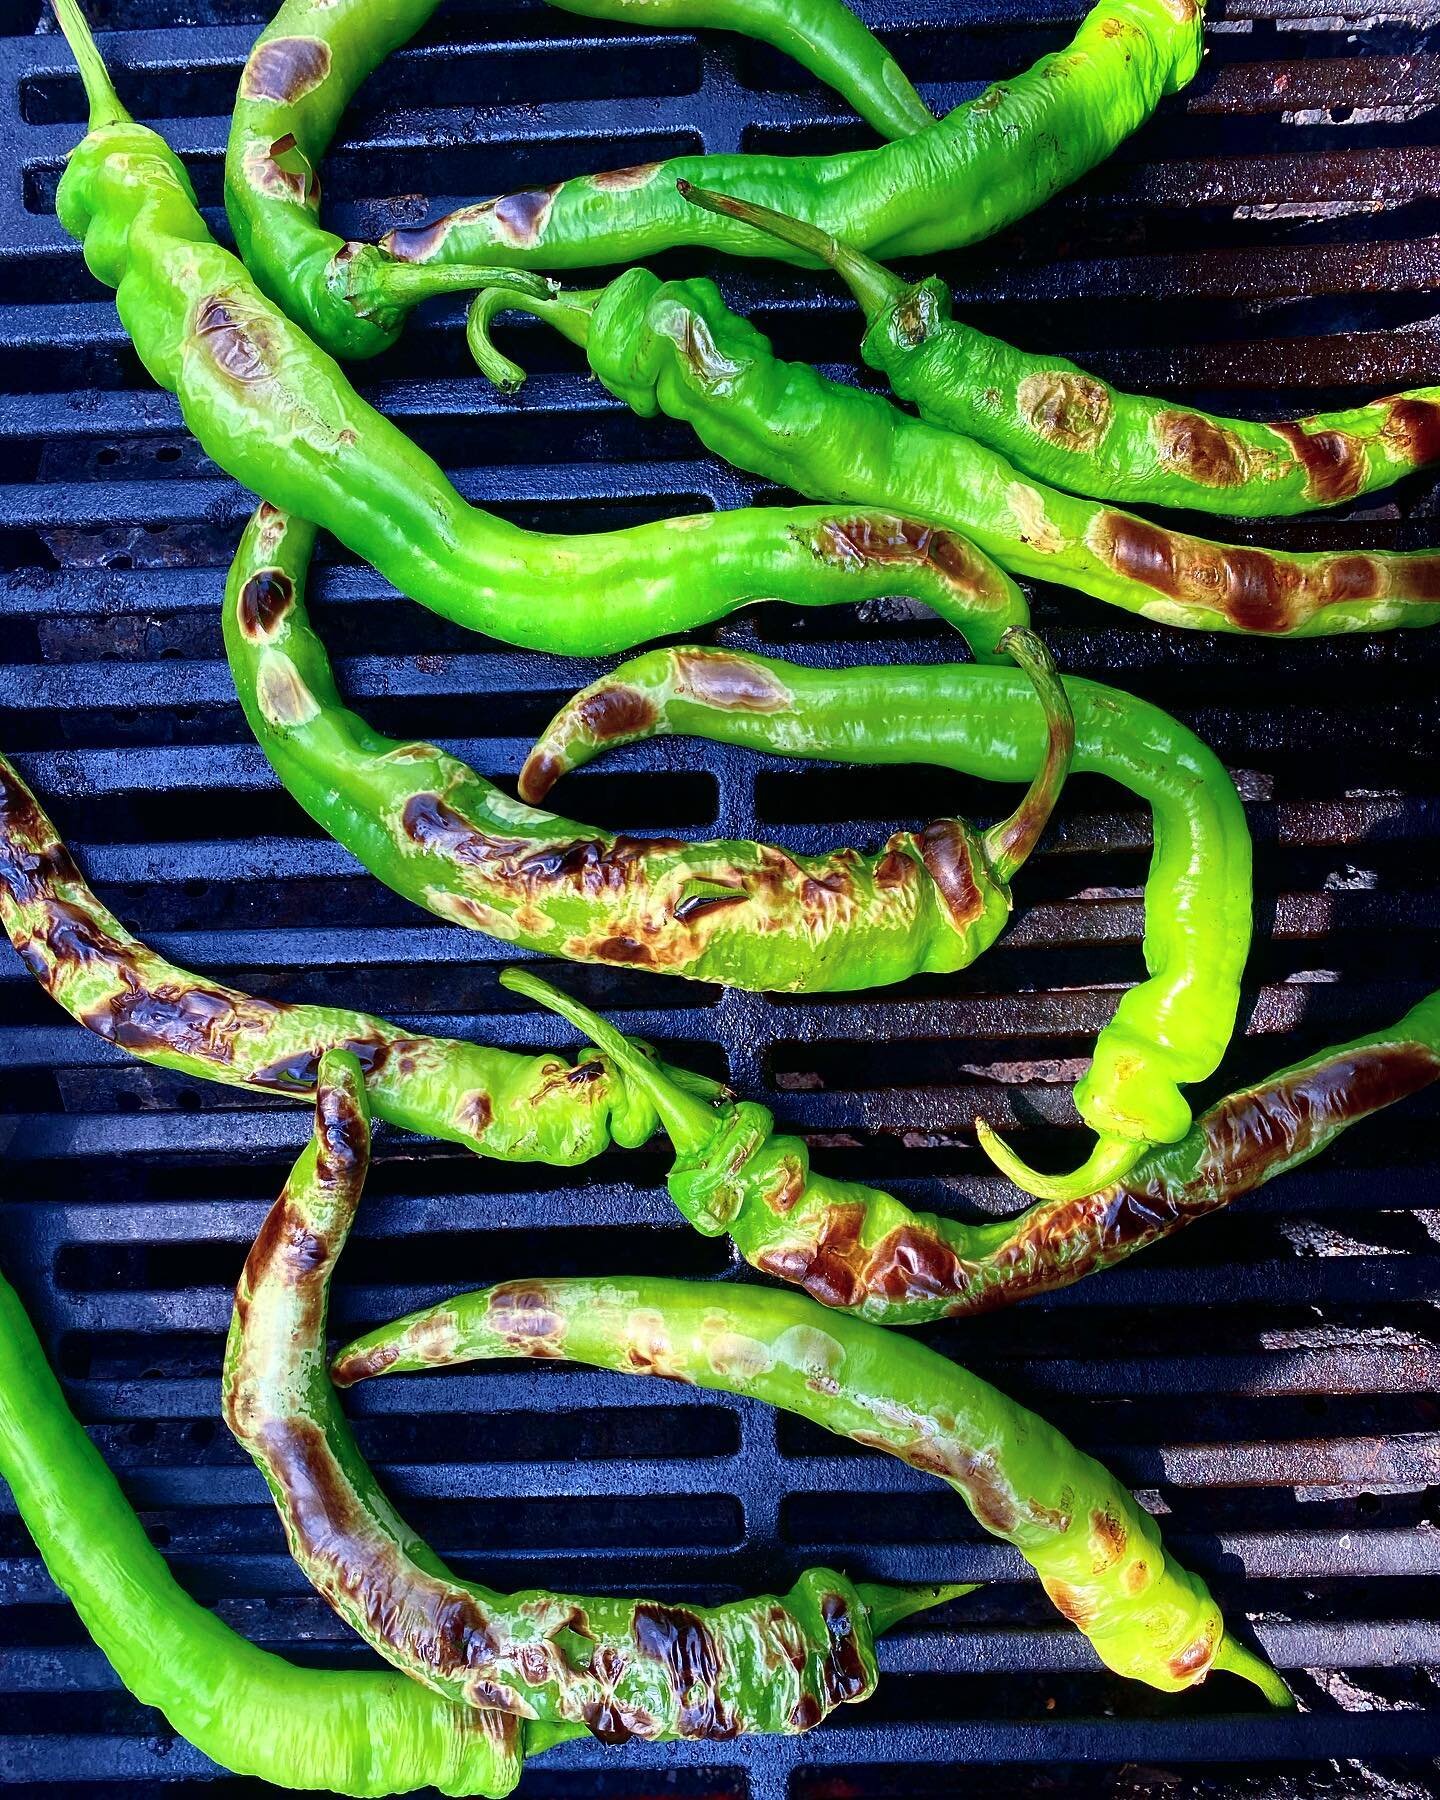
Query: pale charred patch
{"x": 264, "y": 604}
{"x": 1412, "y": 429}
{"x": 729, "y": 683}
{"x": 620, "y": 181}
{"x": 1069, "y": 1601}
{"x": 1334, "y": 462}
{"x": 475, "y": 1112}
{"x": 281, "y": 693}
{"x": 1108, "y": 1538}
{"x": 685, "y": 1647}
{"x": 949, "y": 857}
{"x": 1136, "y": 1578}
{"x": 1071, "y": 411}
{"x": 360, "y": 1365}
{"x": 1034, "y": 524}
{"x": 285, "y": 69}
{"x": 1191, "y": 1663}
{"x": 265, "y": 174}
{"x": 521, "y": 1313}
{"x": 1197, "y": 448}
{"x": 974, "y": 1474}
{"x": 241, "y": 348}
{"x": 520, "y": 217}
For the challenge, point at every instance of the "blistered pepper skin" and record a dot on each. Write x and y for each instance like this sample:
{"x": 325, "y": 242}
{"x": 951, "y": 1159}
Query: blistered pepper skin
{"x": 311, "y": 58}
{"x": 1098, "y": 1554}
{"x": 277, "y": 413}
{"x": 1167, "y": 1031}
{"x": 497, "y": 1103}
{"x": 254, "y": 1713}
{"x": 675, "y": 348}
{"x": 1065, "y": 426}
{"x": 984, "y": 165}
{"x": 620, "y": 1669}
{"x": 862, "y": 1250}
{"x": 747, "y": 914}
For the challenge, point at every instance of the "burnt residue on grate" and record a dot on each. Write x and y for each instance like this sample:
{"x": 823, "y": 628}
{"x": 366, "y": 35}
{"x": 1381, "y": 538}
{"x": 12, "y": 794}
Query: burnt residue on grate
{"x": 1270, "y": 243}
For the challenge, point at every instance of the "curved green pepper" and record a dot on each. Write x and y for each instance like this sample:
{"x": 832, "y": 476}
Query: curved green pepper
{"x": 312, "y": 57}
{"x": 621, "y": 1668}
{"x": 1067, "y": 427}
{"x": 860, "y": 1249}
{"x": 500, "y": 1104}
{"x": 742, "y": 913}
{"x": 674, "y": 347}
{"x": 1098, "y": 1554}
{"x": 279, "y": 415}
{"x": 1168, "y": 1030}
{"x": 984, "y": 165}
{"x": 245, "y": 1708}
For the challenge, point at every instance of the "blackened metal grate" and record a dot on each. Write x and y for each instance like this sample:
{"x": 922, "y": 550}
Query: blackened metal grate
{"x": 1268, "y": 1383}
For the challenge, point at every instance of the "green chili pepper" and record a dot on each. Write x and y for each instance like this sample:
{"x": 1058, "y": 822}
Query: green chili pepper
{"x": 1170, "y": 1029}
{"x": 245, "y": 1708}
{"x": 515, "y": 1108}
{"x": 278, "y": 414}
{"x": 622, "y": 1668}
{"x": 1098, "y": 1554}
{"x": 861, "y": 1249}
{"x": 1067, "y": 427}
{"x": 314, "y": 54}
{"x": 674, "y": 347}
{"x": 742, "y": 913}
{"x": 987, "y": 163}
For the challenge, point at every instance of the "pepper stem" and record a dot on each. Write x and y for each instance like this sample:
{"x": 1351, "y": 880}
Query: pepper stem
{"x": 569, "y": 313}
{"x": 1111, "y": 1160}
{"x": 1008, "y": 843}
{"x": 690, "y": 1122}
{"x": 871, "y": 284}
{"x": 409, "y": 283}
{"x": 100, "y": 95}
{"x": 888, "y": 1606}
{"x": 1235, "y": 1658}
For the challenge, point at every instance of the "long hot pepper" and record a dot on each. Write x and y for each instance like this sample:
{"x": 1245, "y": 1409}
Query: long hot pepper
{"x": 1098, "y": 1554}
{"x": 251, "y": 1711}
{"x": 1168, "y": 1030}
{"x": 309, "y": 61}
{"x": 621, "y": 1668}
{"x": 862, "y": 1250}
{"x": 278, "y": 414}
{"x": 675, "y": 348}
{"x": 497, "y": 1103}
{"x": 1065, "y": 426}
{"x": 743, "y": 913}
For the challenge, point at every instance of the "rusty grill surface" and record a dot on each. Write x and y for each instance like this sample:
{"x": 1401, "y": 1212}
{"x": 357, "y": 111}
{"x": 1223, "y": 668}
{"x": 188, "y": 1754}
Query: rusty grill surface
{"x": 1270, "y": 243}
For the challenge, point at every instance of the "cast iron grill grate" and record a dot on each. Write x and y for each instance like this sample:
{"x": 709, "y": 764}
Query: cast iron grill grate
{"x": 1269, "y": 242}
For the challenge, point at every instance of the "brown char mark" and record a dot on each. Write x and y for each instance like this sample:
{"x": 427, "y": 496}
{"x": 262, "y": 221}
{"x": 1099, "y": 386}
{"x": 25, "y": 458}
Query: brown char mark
{"x": 843, "y": 1675}
{"x": 685, "y": 1646}
{"x": 1334, "y": 462}
{"x": 520, "y": 217}
{"x": 521, "y": 1313}
{"x": 728, "y": 683}
{"x": 1412, "y": 427}
{"x": 287, "y": 1250}
{"x": 1251, "y": 588}
{"x": 1196, "y": 447}
{"x": 948, "y": 855}
{"x": 877, "y": 541}
{"x": 234, "y": 349}
{"x": 342, "y": 1140}
{"x": 614, "y": 711}
{"x": 285, "y": 69}
{"x": 265, "y": 600}
{"x": 618, "y": 181}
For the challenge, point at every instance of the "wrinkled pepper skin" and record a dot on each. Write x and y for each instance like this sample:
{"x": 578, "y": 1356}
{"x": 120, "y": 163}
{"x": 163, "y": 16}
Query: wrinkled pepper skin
{"x": 279, "y": 415}
{"x": 306, "y": 67}
{"x": 676, "y": 348}
{"x": 1168, "y": 1030}
{"x": 1098, "y": 1554}
{"x": 1062, "y": 425}
{"x": 745, "y": 914}
{"x": 620, "y": 1668}
{"x": 252, "y": 1712}
{"x": 497, "y": 1103}
{"x": 862, "y": 1250}
{"x": 984, "y": 165}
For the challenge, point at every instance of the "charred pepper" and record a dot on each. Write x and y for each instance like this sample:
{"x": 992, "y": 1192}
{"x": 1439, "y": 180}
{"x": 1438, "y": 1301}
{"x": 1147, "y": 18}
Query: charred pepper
{"x": 742, "y": 913}
{"x": 1065, "y": 426}
{"x": 621, "y": 1668}
{"x": 279, "y": 415}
